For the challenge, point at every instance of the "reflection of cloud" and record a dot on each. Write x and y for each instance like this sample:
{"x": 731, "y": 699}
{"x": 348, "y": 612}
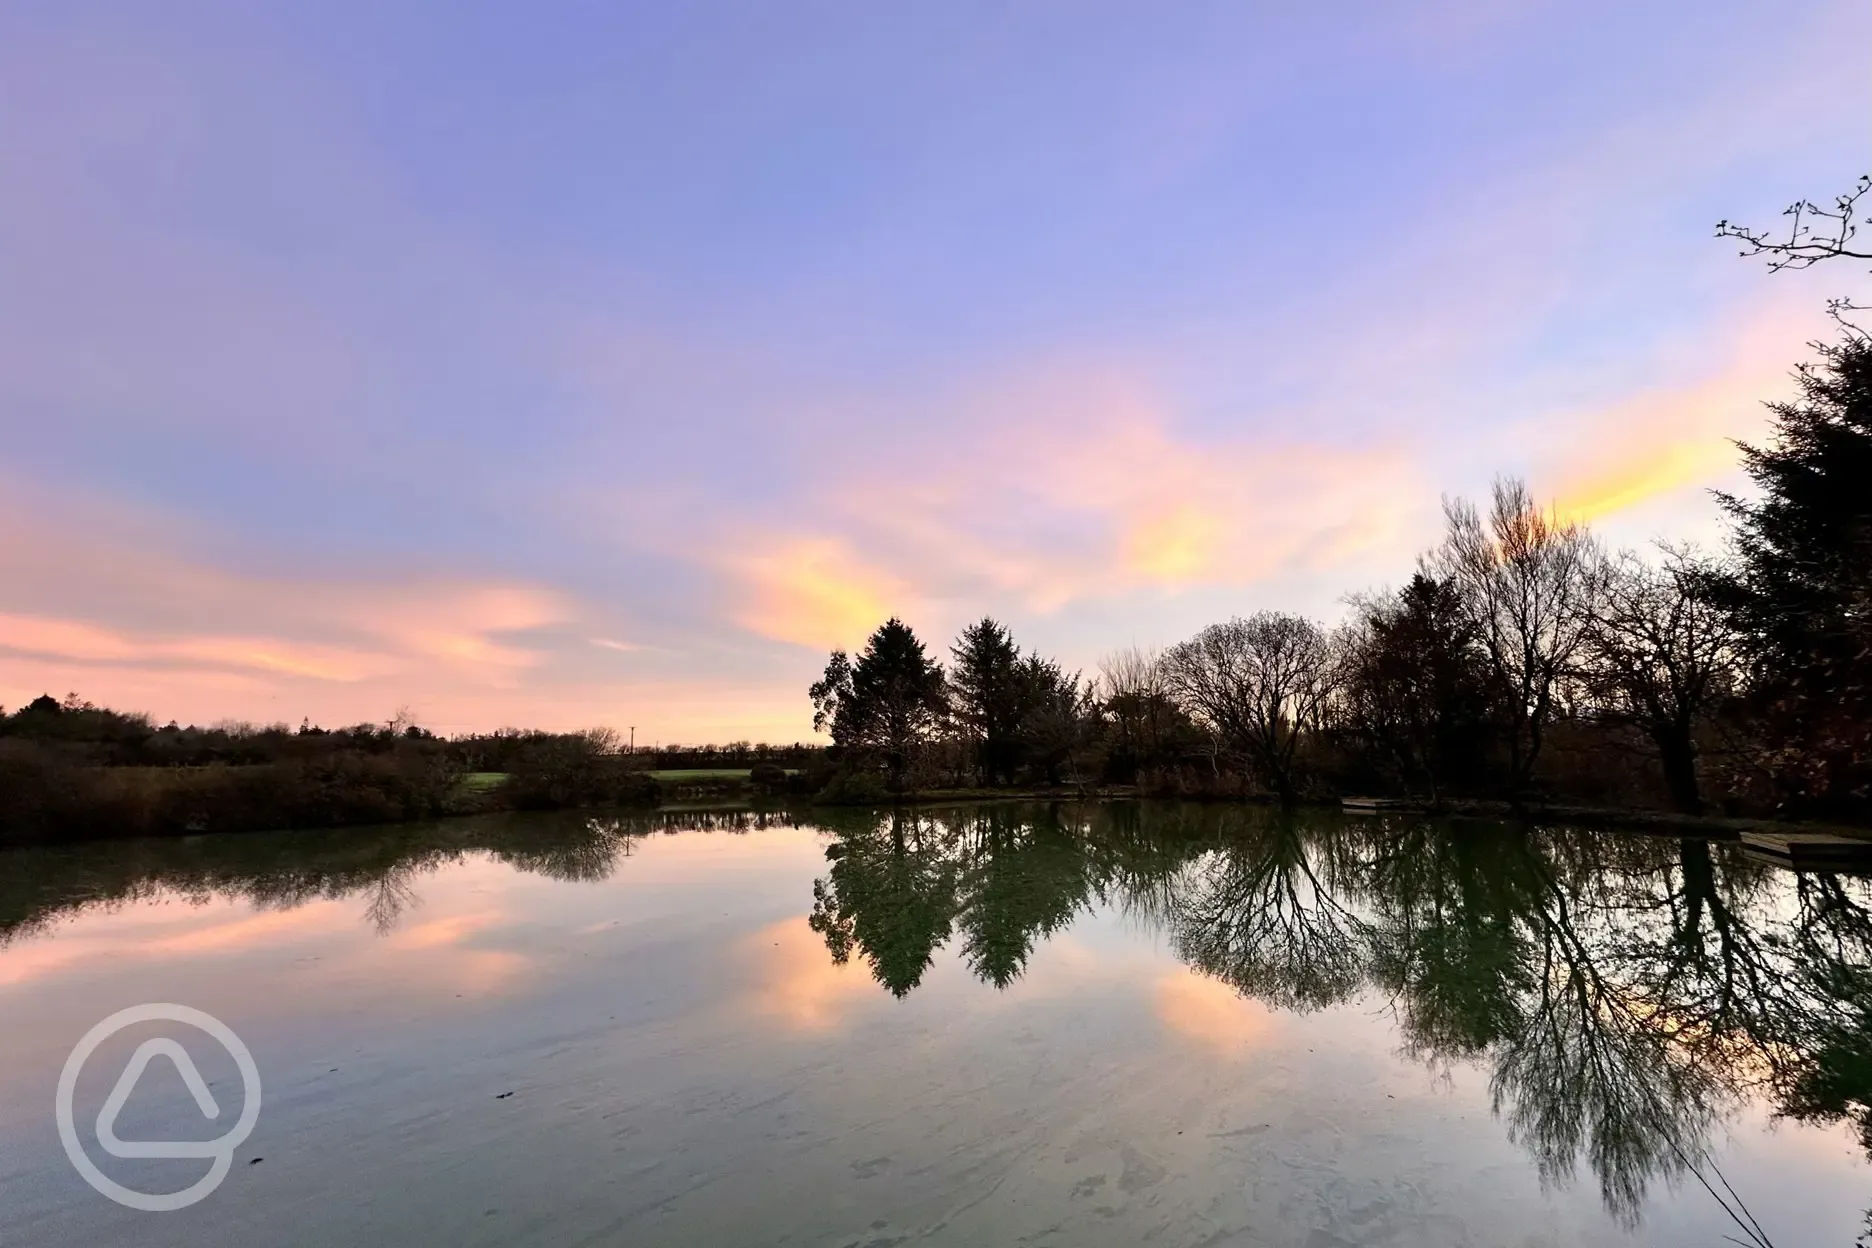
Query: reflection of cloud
{"x": 1209, "y": 1012}
{"x": 453, "y": 929}
{"x": 106, "y": 939}
{"x": 800, "y": 986}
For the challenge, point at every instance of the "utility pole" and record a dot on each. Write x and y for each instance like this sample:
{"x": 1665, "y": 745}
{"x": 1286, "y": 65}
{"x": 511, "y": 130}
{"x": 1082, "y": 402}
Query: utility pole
{"x": 633, "y": 738}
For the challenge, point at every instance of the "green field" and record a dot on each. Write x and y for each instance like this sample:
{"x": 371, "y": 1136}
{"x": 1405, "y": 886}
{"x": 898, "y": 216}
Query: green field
{"x": 683, "y": 775}
{"x": 484, "y": 781}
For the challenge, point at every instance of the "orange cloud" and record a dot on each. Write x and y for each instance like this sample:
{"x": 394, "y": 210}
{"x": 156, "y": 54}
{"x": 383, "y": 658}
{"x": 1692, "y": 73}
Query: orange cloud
{"x": 814, "y": 592}
{"x": 1059, "y": 487}
{"x": 102, "y": 603}
{"x": 84, "y": 642}
{"x": 1175, "y": 548}
{"x": 1679, "y": 435}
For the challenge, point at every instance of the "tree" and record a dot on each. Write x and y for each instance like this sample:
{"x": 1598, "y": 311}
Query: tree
{"x": 1814, "y": 234}
{"x": 1663, "y": 654}
{"x": 1529, "y": 583}
{"x": 891, "y": 895}
{"x": 1802, "y": 588}
{"x": 887, "y": 704}
{"x": 1056, "y": 715}
{"x": 1257, "y": 685}
{"x": 1146, "y": 727}
{"x": 1416, "y": 692}
{"x": 985, "y": 697}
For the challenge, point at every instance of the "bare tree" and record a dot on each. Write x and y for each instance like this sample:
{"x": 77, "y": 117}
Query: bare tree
{"x": 1529, "y": 582}
{"x": 1257, "y": 685}
{"x": 1814, "y": 233}
{"x": 1135, "y": 694}
{"x": 1663, "y": 652}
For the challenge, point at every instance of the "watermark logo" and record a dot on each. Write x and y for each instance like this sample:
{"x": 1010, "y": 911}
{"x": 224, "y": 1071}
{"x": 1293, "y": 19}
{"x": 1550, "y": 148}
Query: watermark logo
{"x": 221, "y": 1150}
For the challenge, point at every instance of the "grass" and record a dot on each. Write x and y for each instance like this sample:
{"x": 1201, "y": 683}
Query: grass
{"x": 681, "y": 774}
{"x": 482, "y": 781}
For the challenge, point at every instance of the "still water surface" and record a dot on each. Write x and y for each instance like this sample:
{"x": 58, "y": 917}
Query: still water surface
{"x": 1020, "y": 1024}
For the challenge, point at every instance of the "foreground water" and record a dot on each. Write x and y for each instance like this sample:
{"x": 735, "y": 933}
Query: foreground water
{"x": 1078, "y": 1025}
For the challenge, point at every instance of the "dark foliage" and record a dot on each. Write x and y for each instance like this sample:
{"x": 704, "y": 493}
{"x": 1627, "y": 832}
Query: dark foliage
{"x": 1802, "y": 589}
{"x": 1417, "y": 692}
{"x": 887, "y": 706}
{"x": 567, "y": 770}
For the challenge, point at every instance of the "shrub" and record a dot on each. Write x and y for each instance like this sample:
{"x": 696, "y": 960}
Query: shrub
{"x": 855, "y": 788}
{"x": 576, "y": 769}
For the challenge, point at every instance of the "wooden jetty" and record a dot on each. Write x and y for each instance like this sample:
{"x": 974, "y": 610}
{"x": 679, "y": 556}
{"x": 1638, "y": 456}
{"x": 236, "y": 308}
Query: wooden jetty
{"x": 1373, "y": 805}
{"x": 1809, "y": 851}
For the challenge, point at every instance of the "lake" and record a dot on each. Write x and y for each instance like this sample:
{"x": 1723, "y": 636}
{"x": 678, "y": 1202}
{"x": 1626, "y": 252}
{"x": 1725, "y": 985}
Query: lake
{"x": 1094, "y": 1024}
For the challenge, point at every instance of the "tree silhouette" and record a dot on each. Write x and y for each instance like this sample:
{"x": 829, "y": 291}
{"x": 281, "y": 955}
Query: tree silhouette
{"x": 986, "y": 697}
{"x": 887, "y": 704}
{"x": 1529, "y": 582}
{"x": 1416, "y": 692}
{"x": 1802, "y": 593}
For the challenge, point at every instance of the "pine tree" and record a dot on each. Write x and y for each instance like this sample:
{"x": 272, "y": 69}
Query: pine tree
{"x": 1802, "y": 593}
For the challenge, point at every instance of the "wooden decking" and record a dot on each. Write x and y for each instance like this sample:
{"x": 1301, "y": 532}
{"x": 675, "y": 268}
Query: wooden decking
{"x": 1373, "y": 805}
{"x": 1809, "y": 851}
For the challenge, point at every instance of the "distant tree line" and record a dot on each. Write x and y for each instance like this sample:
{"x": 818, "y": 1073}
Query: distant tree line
{"x": 72, "y": 770}
{"x": 1521, "y": 661}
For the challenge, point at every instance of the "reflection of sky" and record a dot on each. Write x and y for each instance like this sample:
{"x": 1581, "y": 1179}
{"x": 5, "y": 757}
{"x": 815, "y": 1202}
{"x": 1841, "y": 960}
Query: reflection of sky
{"x": 688, "y": 1066}
{"x": 609, "y": 365}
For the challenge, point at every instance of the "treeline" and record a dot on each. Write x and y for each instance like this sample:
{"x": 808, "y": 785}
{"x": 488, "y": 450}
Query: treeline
{"x": 1522, "y": 661}
{"x": 500, "y": 751}
{"x": 735, "y": 755}
{"x": 71, "y": 770}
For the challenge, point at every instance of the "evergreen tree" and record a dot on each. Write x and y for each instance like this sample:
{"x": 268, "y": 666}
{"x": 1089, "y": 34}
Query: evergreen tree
{"x": 985, "y": 689}
{"x": 887, "y": 704}
{"x": 1417, "y": 686}
{"x": 1802, "y": 594}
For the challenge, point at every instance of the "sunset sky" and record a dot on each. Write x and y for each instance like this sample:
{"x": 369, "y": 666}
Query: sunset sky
{"x": 573, "y": 363}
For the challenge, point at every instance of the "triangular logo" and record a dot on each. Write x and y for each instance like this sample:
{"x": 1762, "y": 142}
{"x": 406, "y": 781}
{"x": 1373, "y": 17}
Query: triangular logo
{"x": 126, "y": 1083}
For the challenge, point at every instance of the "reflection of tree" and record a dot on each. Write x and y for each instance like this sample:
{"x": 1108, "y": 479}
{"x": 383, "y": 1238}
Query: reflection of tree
{"x": 1623, "y": 992}
{"x": 1261, "y": 914}
{"x": 1003, "y": 876}
{"x": 889, "y": 895}
{"x": 1449, "y": 945}
{"x": 1022, "y": 879}
{"x": 278, "y": 871}
{"x": 1589, "y": 1071}
{"x": 1829, "y": 1078}
{"x": 388, "y": 897}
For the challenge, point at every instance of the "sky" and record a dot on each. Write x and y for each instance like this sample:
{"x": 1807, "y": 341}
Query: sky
{"x": 568, "y": 364}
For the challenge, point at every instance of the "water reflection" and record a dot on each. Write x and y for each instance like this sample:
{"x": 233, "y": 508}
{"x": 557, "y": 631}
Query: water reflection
{"x": 1627, "y": 995}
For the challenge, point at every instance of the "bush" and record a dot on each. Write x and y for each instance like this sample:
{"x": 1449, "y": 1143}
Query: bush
{"x": 768, "y": 777}
{"x": 577, "y": 769}
{"x": 855, "y": 788}
{"x": 47, "y": 795}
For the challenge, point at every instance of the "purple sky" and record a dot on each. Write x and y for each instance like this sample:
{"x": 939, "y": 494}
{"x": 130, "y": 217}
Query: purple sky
{"x": 564, "y": 364}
